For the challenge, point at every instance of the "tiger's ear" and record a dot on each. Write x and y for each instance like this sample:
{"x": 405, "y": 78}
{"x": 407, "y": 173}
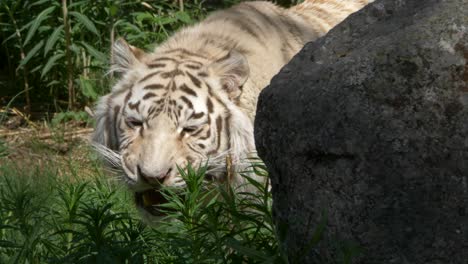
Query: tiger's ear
{"x": 125, "y": 56}
{"x": 234, "y": 72}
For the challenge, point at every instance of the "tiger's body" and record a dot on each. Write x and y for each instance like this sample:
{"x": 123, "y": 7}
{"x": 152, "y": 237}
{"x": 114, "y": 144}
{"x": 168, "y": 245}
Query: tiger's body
{"x": 193, "y": 99}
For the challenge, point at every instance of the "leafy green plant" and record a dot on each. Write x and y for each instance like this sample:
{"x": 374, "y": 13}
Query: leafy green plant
{"x": 57, "y": 50}
{"x": 44, "y": 218}
{"x": 221, "y": 224}
{"x": 3, "y": 149}
{"x": 64, "y": 117}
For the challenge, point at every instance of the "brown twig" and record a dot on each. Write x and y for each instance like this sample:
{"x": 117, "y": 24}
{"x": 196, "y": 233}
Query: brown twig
{"x": 71, "y": 88}
{"x": 229, "y": 170}
{"x": 24, "y": 116}
{"x": 22, "y": 56}
{"x": 47, "y": 135}
{"x": 181, "y": 5}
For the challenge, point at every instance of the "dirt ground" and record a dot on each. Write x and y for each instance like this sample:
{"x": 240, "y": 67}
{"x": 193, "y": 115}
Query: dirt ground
{"x": 63, "y": 148}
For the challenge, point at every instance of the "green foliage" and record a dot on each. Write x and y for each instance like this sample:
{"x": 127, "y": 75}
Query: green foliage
{"x": 3, "y": 149}
{"x": 64, "y": 117}
{"x": 47, "y": 219}
{"x": 34, "y": 43}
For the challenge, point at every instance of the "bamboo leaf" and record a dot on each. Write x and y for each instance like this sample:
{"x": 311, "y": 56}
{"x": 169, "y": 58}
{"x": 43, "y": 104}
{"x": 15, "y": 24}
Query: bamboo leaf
{"x": 53, "y": 39}
{"x": 50, "y": 63}
{"x": 247, "y": 251}
{"x": 14, "y": 34}
{"x": 85, "y": 21}
{"x": 184, "y": 17}
{"x": 54, "y": 82}
{"x": 37, "y": 22}
{"x": 39, "y": 3}
{"x": 87, "y": 88}
{"x": 35, "y": 69}
{"x": 31, "y": 53}
{"x": 94, "y": 52}
{"x": 141, "y": 16}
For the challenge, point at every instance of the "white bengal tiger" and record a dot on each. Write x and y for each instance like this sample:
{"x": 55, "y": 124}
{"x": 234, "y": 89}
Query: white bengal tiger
{"x": 193, "y": 98}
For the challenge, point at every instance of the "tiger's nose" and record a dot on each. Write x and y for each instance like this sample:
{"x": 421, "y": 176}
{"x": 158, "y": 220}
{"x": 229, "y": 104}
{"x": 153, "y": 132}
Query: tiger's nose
{"x": 151, "y": 179}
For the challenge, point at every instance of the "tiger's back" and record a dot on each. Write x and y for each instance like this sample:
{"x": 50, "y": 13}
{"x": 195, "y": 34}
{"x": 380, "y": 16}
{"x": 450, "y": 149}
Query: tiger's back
{"x": 267, "y": 35}
{"x": 193, "y": 99}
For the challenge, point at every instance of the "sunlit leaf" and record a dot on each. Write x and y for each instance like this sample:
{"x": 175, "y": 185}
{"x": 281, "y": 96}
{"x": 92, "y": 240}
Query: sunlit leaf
{"x": 40, "y": 2}
{"x": 37, "y": 22}
{"x": 50, "y": 63}
{"x": 94, "y": 52}
{"x": 53, "y": 39}
{"x": 184, "y": 17}
{"x": 85, "y": 21}
{"x": 87, "y": 88}
{"x": 113, "y": 9}
{"x": 31, "y": 53}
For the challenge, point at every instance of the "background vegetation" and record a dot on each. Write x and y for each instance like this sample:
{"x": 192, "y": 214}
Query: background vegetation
{"x": 56, "y": 53}
{"x": 57, "y": 204}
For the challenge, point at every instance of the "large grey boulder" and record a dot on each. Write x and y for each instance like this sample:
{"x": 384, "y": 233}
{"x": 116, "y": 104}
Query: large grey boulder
{"x": 368, "y": 127}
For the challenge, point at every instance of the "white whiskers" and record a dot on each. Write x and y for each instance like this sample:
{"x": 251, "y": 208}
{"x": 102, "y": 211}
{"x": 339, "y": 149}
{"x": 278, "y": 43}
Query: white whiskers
{"x": 109, "y": 155}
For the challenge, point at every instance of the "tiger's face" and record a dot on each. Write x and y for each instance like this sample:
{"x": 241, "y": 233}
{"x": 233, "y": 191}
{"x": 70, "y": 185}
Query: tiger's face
{"x": 169, "y": 110}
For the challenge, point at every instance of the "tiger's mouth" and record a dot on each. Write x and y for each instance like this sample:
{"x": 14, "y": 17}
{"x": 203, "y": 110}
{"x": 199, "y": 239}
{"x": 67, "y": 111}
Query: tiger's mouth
{"x": 150, "y": 200}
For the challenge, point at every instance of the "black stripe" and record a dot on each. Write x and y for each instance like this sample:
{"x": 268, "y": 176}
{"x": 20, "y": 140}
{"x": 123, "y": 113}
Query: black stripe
{"x": 197, "y": 132}
{"x": 172, "y": 74}
{"x": 209, "y": 105}
{"x": 182, "y": 50}
{"x": 127, "y": 97}
{"x": 113, "y": 129}
{"x": 149, "y": 95}
{"x": 194, "y": 80}
{"x": 208, "y": 134}
{"x": 264, "y": 16}
{"x": 151, "y": 110}
{"x": 187, "y": 101}
{"x": 175, "y": 115}
{"x": 293, "y": 28}
{"x": 156, "y": 65}
{"x": 194, "y": 150}
{"x": 165, "y": 59}
{"x": 286, "y": 47}
{"x": 153, "y": 86}
{"x": 228, "y": 130}
{"x": 285, "y": 54}
{"x": 193, "y": 67}
{"x": 245, "y": 24}
{"x": 134, "y": 106}
{"x": 219, "y": 127}
{"x": 197, "y": 115}
{"x": 186, "y": 89}
{"x": 149, "y": 76}
{"x": 202, "y": 74}
{"x": 213, "y": 95}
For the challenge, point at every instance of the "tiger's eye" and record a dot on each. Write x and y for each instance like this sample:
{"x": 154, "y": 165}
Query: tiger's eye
{"x": 134, "y": 123}
{"x": 189, "y": 129}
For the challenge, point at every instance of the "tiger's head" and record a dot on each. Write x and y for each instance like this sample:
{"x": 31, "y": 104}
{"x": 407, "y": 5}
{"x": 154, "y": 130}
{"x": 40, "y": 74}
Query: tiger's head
{"x": 169, "y": 109}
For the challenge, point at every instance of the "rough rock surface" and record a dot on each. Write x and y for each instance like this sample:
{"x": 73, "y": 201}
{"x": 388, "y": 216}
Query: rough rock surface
{"x": 369, "y": 126}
